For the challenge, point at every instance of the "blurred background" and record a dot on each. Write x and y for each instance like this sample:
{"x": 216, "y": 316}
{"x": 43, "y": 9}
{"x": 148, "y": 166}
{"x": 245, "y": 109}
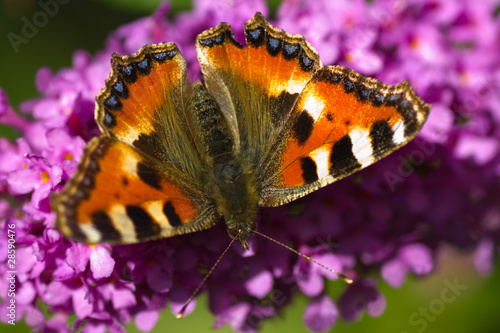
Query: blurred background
{"x": 85, "y": 25}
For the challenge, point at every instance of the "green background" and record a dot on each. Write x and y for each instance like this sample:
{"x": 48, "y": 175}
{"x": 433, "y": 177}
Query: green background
{"x": 85, "y": 25}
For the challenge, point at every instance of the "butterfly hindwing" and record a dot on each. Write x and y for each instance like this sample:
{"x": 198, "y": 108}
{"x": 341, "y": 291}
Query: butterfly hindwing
{"x": 343, "y": 122}
{"x": 118, "y": 196}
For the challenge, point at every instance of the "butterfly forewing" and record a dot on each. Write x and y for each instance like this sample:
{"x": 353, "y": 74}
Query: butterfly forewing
{"x": 255, "y": 86}
{"x": 147, "y": 103}
{"x": 137, "y": 87}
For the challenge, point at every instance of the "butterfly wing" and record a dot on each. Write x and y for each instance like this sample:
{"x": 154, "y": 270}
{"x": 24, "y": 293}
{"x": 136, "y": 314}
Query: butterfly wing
{"x": 341, "y": 123}
{"x": 303, "y": 126}
{"x": 142, "y": 178}
{"x": 147, "y": 103}
{"x": 118, "y": 196}
{"x": 255, "y": 86}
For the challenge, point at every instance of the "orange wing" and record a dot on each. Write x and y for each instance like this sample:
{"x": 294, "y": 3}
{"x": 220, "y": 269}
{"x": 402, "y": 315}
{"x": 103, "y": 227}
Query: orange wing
{"x": 147, "y": 103}
{"x": 141, "y": 178}
{"x": 342, "y": 122}
{"x": 117, "y": 196}
{"x": 138, "y": 86}
{"x": 303, "y": 126}
{"x": 255, "y": 86}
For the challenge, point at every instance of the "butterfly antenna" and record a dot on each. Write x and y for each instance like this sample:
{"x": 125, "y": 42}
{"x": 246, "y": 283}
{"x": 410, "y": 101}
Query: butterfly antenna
{"x": 195, "y": 292}
{"x": 340, "y": 275}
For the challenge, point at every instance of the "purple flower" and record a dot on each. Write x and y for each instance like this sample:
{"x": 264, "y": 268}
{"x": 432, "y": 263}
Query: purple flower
{"x": 12, "y": 158}
{"x": 414, "y": 257}
{"x": 321, "y": 314}
{"x": 483, "y": 258}
{"x": 151, "y": 265}
{"x": 390, "y": 219}
{"x": 8, "y": 116}
{"x": 480, "y": 149}
{"x": 146, "y": 320}
{"x": 310, "y": 275}
{"x": 259, "y": 281}
{"x": 361, "y": 295}
{"x": 101, "y": 262}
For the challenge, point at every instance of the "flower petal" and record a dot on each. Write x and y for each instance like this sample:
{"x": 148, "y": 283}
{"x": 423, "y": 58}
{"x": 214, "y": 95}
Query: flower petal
{"x": 146, "y": 320}
{"x": 321, "y": 314}
{"x": 101, "y": 262}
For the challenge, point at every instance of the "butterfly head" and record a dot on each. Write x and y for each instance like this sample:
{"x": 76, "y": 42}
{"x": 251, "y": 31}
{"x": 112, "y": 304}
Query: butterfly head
{"x": 240, "y": 233}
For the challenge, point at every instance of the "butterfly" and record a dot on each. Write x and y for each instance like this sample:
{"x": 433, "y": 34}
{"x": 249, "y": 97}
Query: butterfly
{"x": 269, "y": 125}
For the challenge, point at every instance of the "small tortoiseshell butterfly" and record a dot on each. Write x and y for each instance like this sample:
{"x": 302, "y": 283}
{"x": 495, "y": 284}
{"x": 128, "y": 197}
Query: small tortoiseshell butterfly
{"x": 269, "y": 125}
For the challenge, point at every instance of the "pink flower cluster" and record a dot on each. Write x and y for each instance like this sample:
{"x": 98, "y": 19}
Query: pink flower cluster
{"x": 392, "y": 218}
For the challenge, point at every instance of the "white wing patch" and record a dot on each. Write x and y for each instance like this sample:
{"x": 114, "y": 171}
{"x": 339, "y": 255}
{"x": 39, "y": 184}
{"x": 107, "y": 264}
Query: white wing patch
{"x": 362, "y": 146}
{"x": 92, "y": 235}
{"x": 321, "y": 156}
{"x": 314, "y": 107}
{"x": 122, "y": 223}
{"x": 399, "y": 133}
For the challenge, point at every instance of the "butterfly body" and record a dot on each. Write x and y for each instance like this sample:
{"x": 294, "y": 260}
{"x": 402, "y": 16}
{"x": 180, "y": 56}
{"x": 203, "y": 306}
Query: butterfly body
{"x": 268, "y": 125}
{"x": 229, "y": 180}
